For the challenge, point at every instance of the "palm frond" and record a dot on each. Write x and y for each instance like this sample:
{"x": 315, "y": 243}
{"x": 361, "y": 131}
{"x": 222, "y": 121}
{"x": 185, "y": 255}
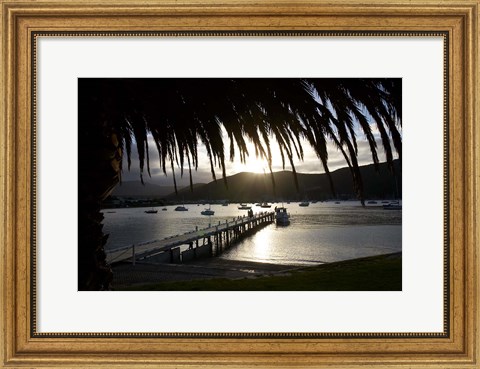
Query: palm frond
{"x": 181, "y": 114}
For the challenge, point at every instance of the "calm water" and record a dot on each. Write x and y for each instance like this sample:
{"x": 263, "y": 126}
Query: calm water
{"x": 322, "y": 232}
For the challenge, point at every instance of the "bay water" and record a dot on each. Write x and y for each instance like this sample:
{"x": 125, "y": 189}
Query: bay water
{"x": 322, "y": 232}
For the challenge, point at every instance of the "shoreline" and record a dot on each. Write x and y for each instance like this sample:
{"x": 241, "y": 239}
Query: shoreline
{"x": 222, "y": 274}
{"x": 125, "y": 274}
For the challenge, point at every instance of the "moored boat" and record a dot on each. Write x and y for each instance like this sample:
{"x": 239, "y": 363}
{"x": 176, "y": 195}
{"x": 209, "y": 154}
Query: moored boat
{"x": 181, "y": 208}
{"x": 282, "y": 218}
{"x": 244, "y": 207}
{"x": 392, "y": 207}
{"x": 304, "y": 203}
{"x": 151, "y": 211}
{"x": 208, "y": 212}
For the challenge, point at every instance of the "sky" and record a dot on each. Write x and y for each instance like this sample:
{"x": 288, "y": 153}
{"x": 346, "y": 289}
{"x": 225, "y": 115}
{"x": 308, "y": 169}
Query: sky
{"x": 310, "y": 164}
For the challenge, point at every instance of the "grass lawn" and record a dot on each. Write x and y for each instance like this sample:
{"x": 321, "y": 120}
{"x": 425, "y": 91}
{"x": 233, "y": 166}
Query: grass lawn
{"x": 377, "y": 273}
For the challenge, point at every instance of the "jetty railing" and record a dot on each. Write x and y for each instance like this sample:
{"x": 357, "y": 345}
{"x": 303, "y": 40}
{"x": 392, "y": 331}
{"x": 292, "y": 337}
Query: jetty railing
{"x": 209, "y": 241}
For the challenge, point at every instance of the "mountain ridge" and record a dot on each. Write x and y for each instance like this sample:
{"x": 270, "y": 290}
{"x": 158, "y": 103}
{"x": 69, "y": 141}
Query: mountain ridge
{"x": 251, "y": 187}
{"x": 137, "y": 189}
{"x": 254, "y": 187}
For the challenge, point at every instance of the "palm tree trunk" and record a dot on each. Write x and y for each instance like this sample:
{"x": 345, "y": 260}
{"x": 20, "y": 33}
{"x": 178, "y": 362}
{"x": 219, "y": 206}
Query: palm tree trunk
{"x": 99, "y": 172}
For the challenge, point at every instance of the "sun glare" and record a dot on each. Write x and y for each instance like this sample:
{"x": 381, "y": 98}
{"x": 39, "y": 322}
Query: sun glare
{"x": 252, "y": 165}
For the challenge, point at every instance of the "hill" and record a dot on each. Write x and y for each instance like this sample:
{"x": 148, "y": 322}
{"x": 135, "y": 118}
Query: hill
{"x": 251, "y": 187}
{"x": 137, "y": 189}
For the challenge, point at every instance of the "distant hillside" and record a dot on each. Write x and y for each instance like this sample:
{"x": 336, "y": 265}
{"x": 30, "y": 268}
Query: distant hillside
{"x": 137, "y": 189}
{"x": 251, "y": 187}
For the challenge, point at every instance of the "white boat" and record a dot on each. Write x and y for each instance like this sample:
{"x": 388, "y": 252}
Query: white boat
{"x": 282, "y": 217}
{"x": 244, "y": 207}
{"x": 394, "y": 205}
{"x": 265, "y": 205}
{"x": 181, "y": 208}
{"x": 208, "y": 212}
{"x": 304, "y": 203}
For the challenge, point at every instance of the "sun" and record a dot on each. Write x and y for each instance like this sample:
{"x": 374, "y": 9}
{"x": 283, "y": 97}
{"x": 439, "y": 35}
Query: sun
{"x": 252, "y": 165}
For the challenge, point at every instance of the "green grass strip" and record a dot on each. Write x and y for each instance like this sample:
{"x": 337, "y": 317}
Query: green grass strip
{"x": 377, "y": 273}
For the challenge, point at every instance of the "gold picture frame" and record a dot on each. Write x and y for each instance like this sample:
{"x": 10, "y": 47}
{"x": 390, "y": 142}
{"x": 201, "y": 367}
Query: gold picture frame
{"x": 22, "y": 347}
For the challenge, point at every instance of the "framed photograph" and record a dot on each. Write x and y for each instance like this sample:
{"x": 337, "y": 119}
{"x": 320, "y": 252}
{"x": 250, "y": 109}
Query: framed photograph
{"x": 239, "y": 184}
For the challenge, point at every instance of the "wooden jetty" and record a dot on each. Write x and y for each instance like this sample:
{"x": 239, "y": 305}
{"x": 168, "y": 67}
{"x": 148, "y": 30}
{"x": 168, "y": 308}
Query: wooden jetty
{"x": 199, "y": 243}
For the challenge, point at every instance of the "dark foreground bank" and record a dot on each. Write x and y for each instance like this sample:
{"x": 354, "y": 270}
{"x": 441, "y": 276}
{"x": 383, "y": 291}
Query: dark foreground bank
{"x": 376, "y": 273}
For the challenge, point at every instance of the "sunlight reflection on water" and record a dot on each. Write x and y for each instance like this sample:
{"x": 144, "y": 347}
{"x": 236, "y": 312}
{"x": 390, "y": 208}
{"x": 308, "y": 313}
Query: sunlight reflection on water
{"x": 319, "y": 245}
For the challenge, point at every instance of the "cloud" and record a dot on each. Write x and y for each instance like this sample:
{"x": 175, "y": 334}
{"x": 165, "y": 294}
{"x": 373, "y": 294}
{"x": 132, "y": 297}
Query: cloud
{"x": 310, "y": 164}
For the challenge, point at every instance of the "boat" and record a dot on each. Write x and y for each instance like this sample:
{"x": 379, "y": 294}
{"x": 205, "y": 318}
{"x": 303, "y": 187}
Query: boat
{"x": 181, "y": 208}
{"x": 244, "y": 207}
{"x": 282, "y": 218}
{"x": 304, "y": 203}
{"x": 207, "y": 212}
{"x": 265, "y": 205}
{"x": 164, "y": 209}
{"x": 151, "y": 211}
{"x": 392, "y": 207}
